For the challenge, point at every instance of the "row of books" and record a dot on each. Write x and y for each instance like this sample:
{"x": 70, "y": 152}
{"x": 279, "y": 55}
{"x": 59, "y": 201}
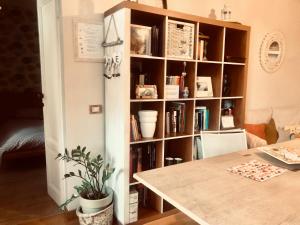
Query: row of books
{"x": 142, "y": 157}
{"x": 135, "y": 132}
{"x": 201, "y": 118}
{"x": 176, "y": 118}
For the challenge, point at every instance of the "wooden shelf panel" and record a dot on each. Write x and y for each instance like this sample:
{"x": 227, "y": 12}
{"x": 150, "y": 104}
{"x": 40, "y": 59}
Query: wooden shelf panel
{"x": 179, "y": 148}
{"x": 235, "y": 45}
{"x": 176, "y": 136}
{"x": 215, "y": 72}
{"x": 214, "y": 112}
{"x": 145, "y": 140}
{"x": 209, "y": 62}
{"x": 158, "y": 106}
{"x": 146, "y": 57}
{"x": 146, "y": 100}
{"x": 215, "y": 41}
{"x": 189, "y": 108}
{"x": 238, "y": 112}
{"x": 150, "y": 20}
{"x": 236, "y": 77}
{"x": 175, "y": 68}
{"x": 153, "y": 71}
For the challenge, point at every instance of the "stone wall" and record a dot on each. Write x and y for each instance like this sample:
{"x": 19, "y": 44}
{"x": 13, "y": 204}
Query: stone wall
{"x": 19, "y": 49}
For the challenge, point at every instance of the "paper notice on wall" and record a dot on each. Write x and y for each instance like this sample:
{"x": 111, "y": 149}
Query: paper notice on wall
{"x": 89, "y": 37}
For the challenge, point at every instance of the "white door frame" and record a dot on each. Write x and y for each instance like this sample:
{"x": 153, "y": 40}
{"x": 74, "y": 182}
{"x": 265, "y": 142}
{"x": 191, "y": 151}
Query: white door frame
{"x": 56, "y": 185}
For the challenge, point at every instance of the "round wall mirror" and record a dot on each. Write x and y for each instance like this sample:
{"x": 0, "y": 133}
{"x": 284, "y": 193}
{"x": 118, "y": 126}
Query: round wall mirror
{"x": 272, "y": 52}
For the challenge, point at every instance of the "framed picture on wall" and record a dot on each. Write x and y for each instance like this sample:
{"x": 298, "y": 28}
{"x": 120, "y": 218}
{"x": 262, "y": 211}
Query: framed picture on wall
{"x": 87, "y": 36}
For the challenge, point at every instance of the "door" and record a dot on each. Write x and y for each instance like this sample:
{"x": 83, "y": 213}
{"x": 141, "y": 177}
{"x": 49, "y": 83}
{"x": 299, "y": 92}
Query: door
{"x": 51, "y": 60}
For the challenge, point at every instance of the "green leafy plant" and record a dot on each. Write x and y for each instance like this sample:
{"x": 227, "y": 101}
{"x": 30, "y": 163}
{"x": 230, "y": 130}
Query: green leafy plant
{"x": 92, "y": 186}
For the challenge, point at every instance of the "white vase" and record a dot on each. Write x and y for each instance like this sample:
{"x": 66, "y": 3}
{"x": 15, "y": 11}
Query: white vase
{"x": 93, "y": 206}
{"x": 148, "y": 120}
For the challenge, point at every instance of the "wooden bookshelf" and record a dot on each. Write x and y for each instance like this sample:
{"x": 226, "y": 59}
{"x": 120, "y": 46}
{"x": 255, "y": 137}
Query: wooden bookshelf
{"x": 227, "y": 53}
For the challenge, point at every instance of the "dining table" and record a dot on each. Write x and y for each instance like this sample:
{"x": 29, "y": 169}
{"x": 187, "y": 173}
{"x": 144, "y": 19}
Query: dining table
{"x": 207, "y": 192}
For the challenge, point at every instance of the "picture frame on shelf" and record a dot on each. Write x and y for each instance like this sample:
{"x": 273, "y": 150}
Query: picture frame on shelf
{"x": 204, "y": 87}
{"x": 146, "y": 92}
{"x": 140, "y": 40}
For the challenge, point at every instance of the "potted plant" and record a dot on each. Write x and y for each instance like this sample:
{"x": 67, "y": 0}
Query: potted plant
{"x": 93, "y": 194}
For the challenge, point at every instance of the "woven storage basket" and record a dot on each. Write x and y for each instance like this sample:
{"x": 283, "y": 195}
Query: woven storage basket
{"x": 180, "y": 39}
{"x": 104, "y": 217}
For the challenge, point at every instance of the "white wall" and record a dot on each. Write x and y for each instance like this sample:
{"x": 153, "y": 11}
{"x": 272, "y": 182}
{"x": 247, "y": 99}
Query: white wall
{"x": 84, "y": 81}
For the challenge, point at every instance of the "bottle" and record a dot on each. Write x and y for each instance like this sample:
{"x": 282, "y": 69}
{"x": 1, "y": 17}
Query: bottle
{"x": 186, "y": 92}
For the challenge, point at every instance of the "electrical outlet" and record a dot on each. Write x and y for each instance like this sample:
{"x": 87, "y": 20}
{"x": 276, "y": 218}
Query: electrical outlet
{"x": 95, "y": 109}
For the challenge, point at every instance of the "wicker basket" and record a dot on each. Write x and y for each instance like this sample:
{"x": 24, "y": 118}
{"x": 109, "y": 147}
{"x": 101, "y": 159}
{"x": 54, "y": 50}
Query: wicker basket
{"x": 180, "y": 39}
{"x": 104, "y": 217}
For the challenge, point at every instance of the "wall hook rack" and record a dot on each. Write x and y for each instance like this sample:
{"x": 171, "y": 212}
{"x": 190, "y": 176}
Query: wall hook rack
{"x": 113, "y": 43}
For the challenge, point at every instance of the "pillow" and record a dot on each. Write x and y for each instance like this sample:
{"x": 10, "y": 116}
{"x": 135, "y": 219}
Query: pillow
{"x": 271, "y": 132}
{"x": 256, "y": 129}
{"x": 254, "y": 142}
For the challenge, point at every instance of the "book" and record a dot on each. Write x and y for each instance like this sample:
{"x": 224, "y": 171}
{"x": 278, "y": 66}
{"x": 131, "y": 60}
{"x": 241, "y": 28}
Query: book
{"x": 201, "y": 118}
{"x": 180, "y": 108}
{"x": 168, "y": 130}
{"x": 201, "y": 50}
{"x": 135, "y": 133}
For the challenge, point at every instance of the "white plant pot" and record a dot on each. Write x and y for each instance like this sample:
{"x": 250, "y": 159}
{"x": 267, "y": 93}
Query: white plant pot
{"x": 148, "y": 119}
{"x": 148, "y": 129}
{"x": 93, "y": 206}
{"x": 145, "y": 113}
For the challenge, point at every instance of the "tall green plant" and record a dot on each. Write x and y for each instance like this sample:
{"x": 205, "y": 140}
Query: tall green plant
{"x": 92, "y": 186}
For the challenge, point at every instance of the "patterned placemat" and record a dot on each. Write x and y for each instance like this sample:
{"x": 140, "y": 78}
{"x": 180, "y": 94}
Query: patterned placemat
{"x": 255, "y": 170}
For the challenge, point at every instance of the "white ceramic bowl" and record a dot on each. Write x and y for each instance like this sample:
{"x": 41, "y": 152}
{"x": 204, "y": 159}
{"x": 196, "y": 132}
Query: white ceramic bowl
{"x": 148, "y": 129}
{"x": 148, "y": 119}
{"x": 144, "y": 113}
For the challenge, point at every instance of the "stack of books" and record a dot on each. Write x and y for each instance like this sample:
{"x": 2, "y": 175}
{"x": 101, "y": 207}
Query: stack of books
{"x": 142, "y": 157}
{"x": 135, "y": 133}
{"x": 201, "y": 118}
{"x": 176, "y": 118}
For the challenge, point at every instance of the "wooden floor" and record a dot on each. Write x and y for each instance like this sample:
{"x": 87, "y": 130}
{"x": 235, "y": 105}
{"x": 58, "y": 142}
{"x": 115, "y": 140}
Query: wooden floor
{"x": 23, "y": 196}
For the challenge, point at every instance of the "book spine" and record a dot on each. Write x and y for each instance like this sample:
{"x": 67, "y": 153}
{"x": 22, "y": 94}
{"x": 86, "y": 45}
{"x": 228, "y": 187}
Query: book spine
{"x": 173, "y": 121}
{"x": 200, "y": 120}
{"x": 139, "y": 159}
{"x": 167, "y": 122}
{"x": 207, "y": 119}
{"x": 201, "y": 50}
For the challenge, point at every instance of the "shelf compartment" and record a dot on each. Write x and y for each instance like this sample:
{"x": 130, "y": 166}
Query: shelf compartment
{"x": 215, "y": 41}
{"x": 188, "y": 117}
{"x": 179, "y": 148}
{"x": 145, "y": 156}
{"x": 175, "y": 68}
{"x": 151, "y": 20}
{"x": 215, "y": 72}
{"x": 235, "y": 76}
{"x": 238, "y": 112}
{"x": 151, "y": 206}
{"x": 153, "y": 69}
{"x": 167, "y": 206}
{"x": 214, "y": 113}
{"x": 158, "y": 106}
{"x": 235, "y": 45}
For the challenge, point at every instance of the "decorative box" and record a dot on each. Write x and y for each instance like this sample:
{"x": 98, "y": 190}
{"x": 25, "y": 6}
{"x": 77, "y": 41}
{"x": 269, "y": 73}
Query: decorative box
{"x": 133, "y": 206}
{"x": 180, "y": 39}
{"x": 172, "y": 91}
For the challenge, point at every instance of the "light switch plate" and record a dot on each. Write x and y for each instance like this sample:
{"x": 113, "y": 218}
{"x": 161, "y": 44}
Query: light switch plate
{"x": 95, "y": 109}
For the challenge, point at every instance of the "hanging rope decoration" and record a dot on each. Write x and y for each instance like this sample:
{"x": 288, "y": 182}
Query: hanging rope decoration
{"x": 112, "y": 63}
